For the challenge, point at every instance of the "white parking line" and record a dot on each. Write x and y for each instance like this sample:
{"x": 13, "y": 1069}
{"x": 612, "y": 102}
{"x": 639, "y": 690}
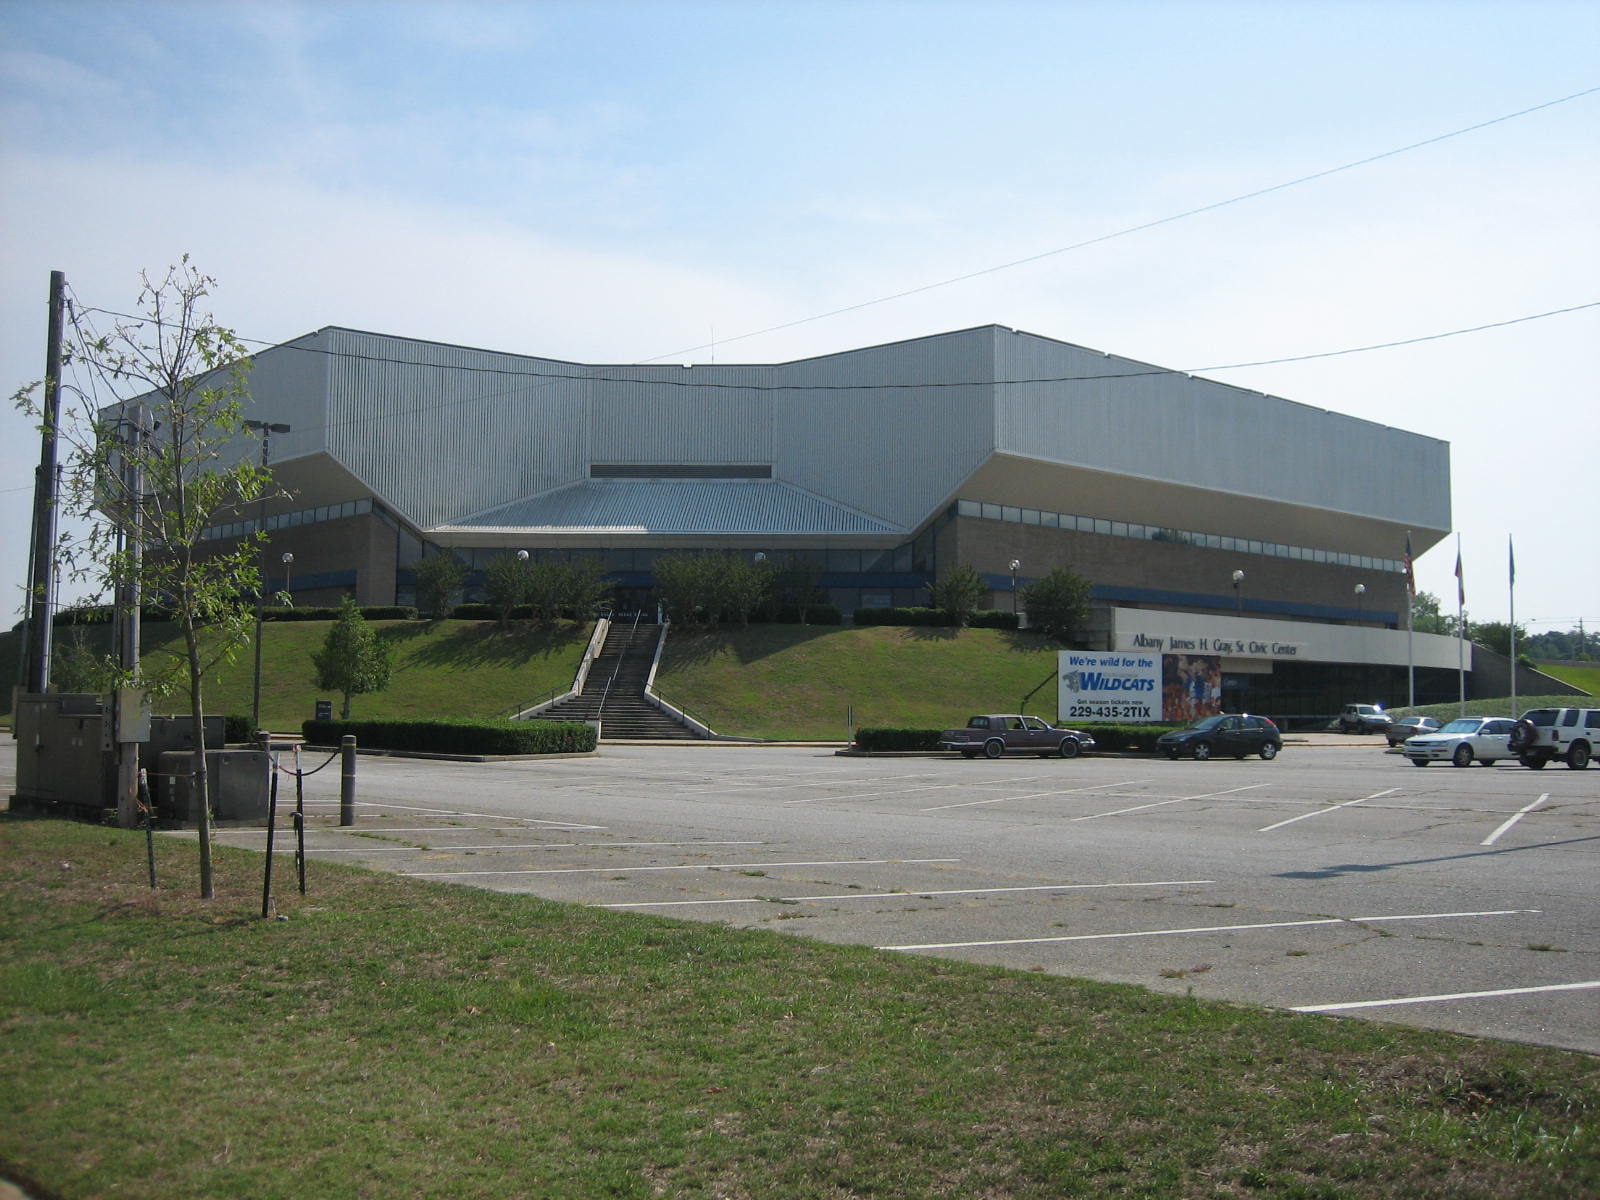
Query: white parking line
{"x": 1164, "y": 803}
{"x": 453, "y": 812}
{"x": 1524, "y": 991}
{"x": 1043, "y": 887}
{"x": 623, "y": 870}
{"x": 932, "y": 787}
{"x": 1093, "y": 787}
{"x": 442, "y": 849}
{"x": 1096, "y": 937}
{"x": 1335, "y": 808}
{"x": 1493, "y": 837}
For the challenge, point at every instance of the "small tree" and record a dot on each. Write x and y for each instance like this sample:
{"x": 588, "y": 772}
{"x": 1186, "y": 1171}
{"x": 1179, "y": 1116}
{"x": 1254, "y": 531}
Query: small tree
{"x": 585, "y": 588}
{"x": 439, "y": 580}
{"x": 1057, "y": 604}
{"x": 505, "y": 580}
{"x": 352, "y": 661}
{"x": 150, "y": 473}
{"x": 959, "y": 593}
{"x": 684, "y": 586}
{"x": 796, "y": 583}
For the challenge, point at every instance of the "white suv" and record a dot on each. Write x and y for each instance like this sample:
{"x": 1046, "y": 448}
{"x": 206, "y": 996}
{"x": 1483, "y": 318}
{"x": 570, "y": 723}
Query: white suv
{"x": 1569, "y": 734}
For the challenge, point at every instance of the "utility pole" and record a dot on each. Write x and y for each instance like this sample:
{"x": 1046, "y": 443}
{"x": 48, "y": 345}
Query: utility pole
{"x": 41, "y": 580}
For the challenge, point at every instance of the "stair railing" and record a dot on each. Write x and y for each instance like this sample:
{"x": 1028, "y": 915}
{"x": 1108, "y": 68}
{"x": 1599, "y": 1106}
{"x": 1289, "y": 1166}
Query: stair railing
{"x": 632, "y": 630}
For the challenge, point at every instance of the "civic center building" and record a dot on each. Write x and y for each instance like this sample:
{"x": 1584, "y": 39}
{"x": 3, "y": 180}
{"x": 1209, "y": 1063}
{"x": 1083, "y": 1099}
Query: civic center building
{"x": 1210, "y": 519}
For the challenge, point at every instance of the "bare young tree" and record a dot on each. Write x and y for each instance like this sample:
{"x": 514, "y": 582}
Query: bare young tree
{"x": 149, "y": 470}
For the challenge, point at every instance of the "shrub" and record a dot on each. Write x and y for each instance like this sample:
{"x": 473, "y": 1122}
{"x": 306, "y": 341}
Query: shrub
{"x": 897, "y": 739}
{"x": 457, "y": 737}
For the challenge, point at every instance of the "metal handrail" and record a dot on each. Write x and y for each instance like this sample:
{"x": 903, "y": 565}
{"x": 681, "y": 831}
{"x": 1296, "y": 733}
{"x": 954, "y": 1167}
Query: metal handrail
{"x": 525, "y": 705}
{"x": 606, "y": 695}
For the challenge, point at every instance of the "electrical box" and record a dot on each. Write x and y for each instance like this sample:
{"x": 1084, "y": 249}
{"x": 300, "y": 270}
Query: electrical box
{"x": 238, "y": 781}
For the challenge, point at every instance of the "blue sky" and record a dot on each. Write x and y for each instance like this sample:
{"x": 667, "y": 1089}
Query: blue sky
{"x": 617, "y": 182}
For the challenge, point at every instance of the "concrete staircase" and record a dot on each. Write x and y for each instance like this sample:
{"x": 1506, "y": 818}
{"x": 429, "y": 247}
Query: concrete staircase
{"x": 614, "y": 693}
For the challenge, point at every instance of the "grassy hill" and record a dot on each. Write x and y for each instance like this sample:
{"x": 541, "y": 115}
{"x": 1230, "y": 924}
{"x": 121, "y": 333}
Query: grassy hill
{"x": 460, "y": 668}
{"x": 796, "y": 681}
{"x": 1588, "y": 678}
{"x": 768, "y": 681}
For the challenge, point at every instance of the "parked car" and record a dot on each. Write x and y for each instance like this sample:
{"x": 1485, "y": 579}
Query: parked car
{"x": 1484, "y": 739}
{"x": 1409, "y": 727}
{"x": 1363, "y": 718}
{"x": 994, "y": 734}
{"x": 1569, "y": 734}
{"x": 1237, "y": 734}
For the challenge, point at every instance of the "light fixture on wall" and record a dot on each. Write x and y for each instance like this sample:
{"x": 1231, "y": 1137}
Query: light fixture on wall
{"x": 1238, "y": 602}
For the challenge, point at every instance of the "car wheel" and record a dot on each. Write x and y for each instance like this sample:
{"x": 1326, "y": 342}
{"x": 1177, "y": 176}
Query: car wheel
{"x": 1533, "y": 762}
{"x": 969, "y": 754}
{"x": 1202, "y": 751}
{"x": 1462, "y": 756}
{"x": 1269, "y": 750}
{"x": 1070, "y": 748}
{"x": 1578, "y": 756}
{"x": 1419, "y": 762}
{"x": 993, "y": 749}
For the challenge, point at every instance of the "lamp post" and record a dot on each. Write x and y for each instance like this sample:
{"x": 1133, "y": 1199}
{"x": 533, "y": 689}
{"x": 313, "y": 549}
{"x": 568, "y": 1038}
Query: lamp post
{"x": 266, "y": 429}
{"x": 1015, "y": 563}
{"x": 1238, "y": 602}
{"x": 1361, "y": 591}
{"x": 288, "y": 575}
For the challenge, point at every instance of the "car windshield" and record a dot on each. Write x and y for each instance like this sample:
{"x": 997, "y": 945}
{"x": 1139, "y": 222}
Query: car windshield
{"x": 1463, "y": 725}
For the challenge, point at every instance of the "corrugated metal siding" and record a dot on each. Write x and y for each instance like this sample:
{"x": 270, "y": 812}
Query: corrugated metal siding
{"x": 1174, "y": 427}
{"x": 897, "y": 453}
{"x": 664, "y": 417}
{"x": 677, "y": 506}
{"x": 437, "y": 441}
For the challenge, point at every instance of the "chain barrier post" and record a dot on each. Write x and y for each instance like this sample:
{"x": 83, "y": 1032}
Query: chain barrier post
{"x": 149, "y": 823}
{"x": 300, "y": 820}
{"x": 347, "y": 780}
{"x": 272, "y": 827}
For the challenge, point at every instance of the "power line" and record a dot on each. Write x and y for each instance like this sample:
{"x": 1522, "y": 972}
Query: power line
{"x": 874, "y": 387}
{"x": 1106, "y": 237}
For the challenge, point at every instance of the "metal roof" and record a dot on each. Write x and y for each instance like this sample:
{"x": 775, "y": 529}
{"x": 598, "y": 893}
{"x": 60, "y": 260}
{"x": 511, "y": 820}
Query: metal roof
{"x": 676, "y": 506}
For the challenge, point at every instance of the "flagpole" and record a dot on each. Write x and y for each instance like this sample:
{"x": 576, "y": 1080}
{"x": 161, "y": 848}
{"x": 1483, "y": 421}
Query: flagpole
{"x": 1511, "y": 564}
{"x": 1461, "y": 630}
{"x": 1411, "y": 658}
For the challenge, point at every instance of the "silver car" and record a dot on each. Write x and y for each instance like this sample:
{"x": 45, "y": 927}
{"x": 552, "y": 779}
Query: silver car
{"x": 1486, "y": 739}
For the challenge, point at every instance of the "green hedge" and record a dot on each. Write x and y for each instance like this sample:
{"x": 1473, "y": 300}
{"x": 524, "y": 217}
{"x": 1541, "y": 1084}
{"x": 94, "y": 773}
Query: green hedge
{"x": 457, "y": 737}
{"x": 1126, "y": 738}
{"x": 898, "y": 739}
{"x": 984, "y": 618}
{"x": 1137, "y": 739}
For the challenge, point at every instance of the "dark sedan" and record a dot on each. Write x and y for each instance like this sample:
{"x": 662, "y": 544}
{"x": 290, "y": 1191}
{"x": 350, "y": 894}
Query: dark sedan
{"x": 1407, "y": 727}
{"x": 1236, "y": 734}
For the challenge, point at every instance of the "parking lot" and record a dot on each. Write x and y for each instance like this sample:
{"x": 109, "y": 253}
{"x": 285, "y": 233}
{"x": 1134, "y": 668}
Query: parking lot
{"x": 1336, "y": 879}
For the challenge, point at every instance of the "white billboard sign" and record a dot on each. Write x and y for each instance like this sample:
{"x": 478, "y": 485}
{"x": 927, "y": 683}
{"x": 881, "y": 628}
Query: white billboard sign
{"x": 1118, "y": 686}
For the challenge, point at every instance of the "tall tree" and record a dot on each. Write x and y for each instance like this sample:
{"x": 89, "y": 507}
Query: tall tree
{"x": 439, "y": 580}
{"x": 1057, "y": 604}
{"x": 352, "y": 661}
{"x": 505, "y": 582}
{"x": 959, "y": 593}
{"x": 161, "y": 412}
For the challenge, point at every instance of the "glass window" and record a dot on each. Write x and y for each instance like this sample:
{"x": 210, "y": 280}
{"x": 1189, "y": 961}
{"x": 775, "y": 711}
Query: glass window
{"x": 1050, "y": 520}
{"x": 968, "y": 508}
{"x": 1030, "y": 516}
{"x": 992, "y": 512}
{"x": 844, "y": 560}
{"x": 1101, "y": 526}
{"x": 1014, "y": 515}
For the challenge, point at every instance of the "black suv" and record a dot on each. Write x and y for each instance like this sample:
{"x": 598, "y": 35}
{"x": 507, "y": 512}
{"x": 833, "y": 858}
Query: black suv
{"x": 1237, "y": 734}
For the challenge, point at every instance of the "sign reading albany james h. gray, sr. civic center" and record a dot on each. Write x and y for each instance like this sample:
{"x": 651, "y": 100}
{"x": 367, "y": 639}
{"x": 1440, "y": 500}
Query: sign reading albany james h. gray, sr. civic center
{"x": 1243, "y": 647}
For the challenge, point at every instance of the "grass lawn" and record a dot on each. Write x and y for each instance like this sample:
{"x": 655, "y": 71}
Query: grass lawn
{"x": 1588, "y": 678}
{"x": 797, "y": 681}
{"x": 397, "y": 1038}
{"x": 457, "y": 668}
